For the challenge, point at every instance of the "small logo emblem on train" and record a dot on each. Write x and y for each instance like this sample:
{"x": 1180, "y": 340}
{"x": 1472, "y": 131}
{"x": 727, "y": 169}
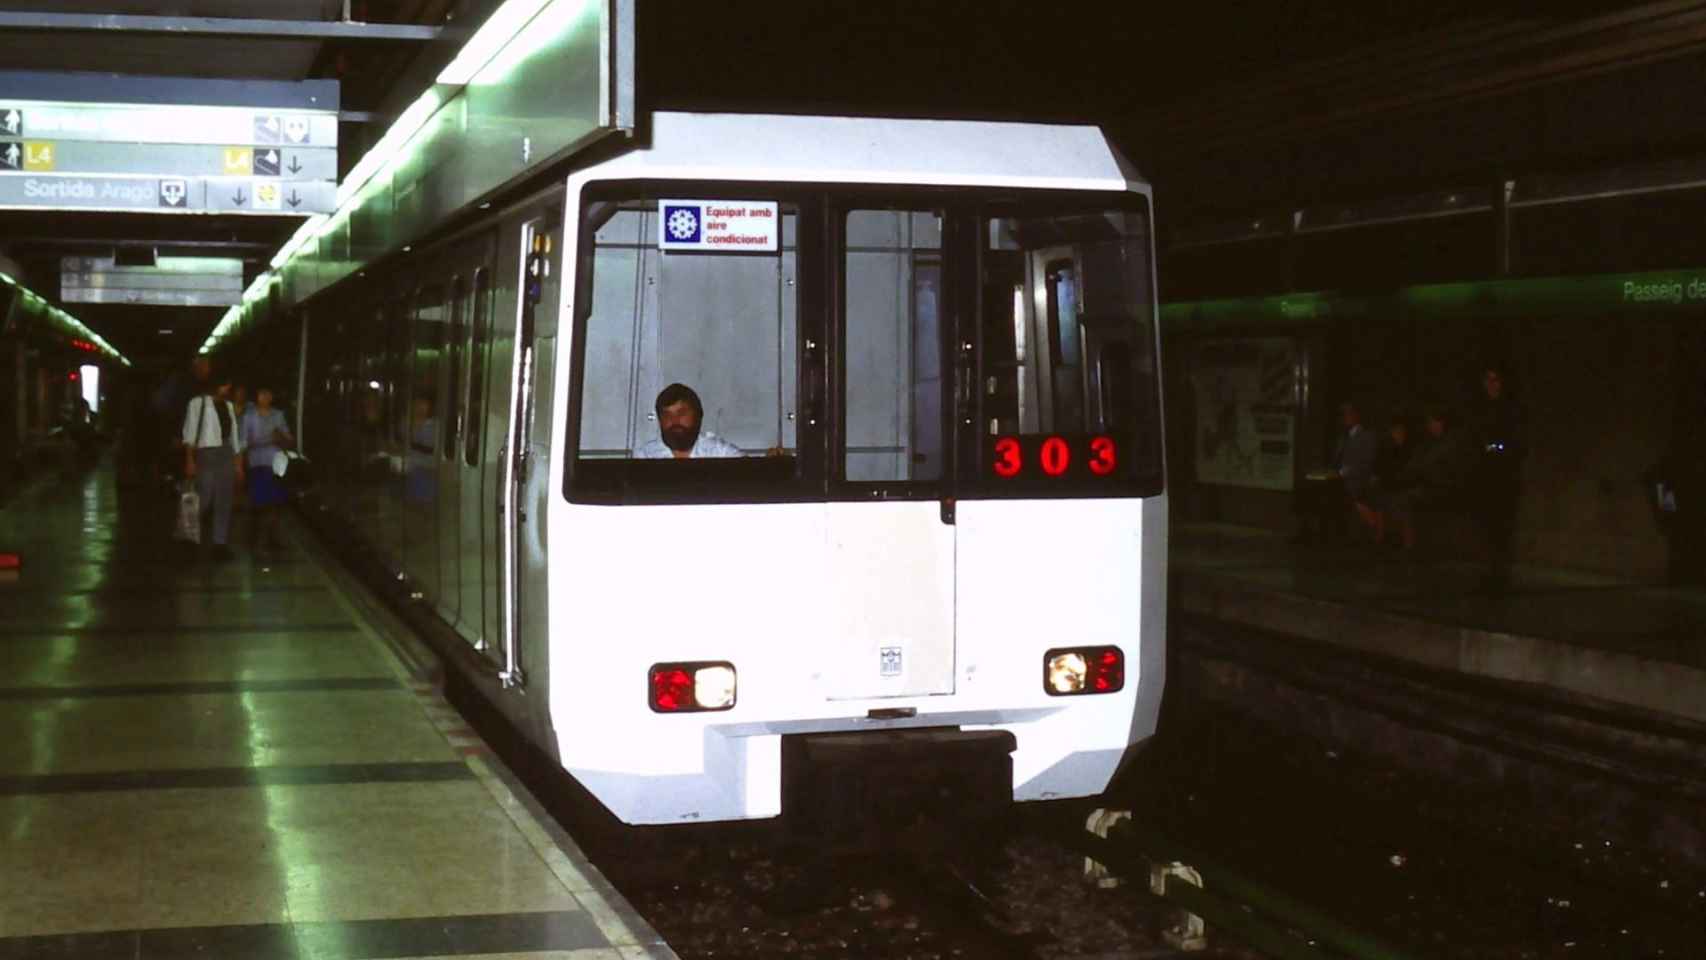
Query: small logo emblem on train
{"x": 890, "y": 663}
{"x": 683, "y": 224}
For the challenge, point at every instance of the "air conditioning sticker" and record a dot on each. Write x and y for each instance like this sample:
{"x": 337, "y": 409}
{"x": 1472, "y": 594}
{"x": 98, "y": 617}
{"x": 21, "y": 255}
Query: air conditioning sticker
{"x": 719, "y": 225}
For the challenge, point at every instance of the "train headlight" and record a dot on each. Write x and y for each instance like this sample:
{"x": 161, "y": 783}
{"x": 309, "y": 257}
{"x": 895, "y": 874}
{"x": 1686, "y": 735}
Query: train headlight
{"x": 691, "y": 687}
{"x": 1083, "y": 670}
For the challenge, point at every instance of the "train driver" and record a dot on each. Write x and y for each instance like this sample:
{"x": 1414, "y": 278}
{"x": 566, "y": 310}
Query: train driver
{"x": 680, "y": 418}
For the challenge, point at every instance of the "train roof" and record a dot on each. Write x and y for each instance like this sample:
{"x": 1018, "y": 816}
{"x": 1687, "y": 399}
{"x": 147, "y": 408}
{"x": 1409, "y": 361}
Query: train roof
{"x": 791, "y": 147}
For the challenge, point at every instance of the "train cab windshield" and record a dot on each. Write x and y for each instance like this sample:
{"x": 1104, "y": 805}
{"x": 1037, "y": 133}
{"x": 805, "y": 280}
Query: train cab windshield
{"x": 736, "y": 344}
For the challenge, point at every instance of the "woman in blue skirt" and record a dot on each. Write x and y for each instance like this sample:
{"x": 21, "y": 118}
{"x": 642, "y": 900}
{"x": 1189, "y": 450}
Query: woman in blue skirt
{"x": 264, "y": 436}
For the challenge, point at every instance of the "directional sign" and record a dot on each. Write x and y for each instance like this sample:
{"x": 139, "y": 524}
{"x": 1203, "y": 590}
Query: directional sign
{"x": 183, "y": 160}
{"x": 171, "y": 281}
{"x": 269, "y": 196}
{"x": 168, "y": 158}
{"x": 161, "y": 123}
{"x": 165, "y": 194}
{"x": 175, "y": 193}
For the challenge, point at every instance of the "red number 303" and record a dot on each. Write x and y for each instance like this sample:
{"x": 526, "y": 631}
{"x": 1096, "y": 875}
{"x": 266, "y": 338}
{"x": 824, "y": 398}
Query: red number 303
{"x": 1008, "y": 461}
{"x": 1102, "y": 461}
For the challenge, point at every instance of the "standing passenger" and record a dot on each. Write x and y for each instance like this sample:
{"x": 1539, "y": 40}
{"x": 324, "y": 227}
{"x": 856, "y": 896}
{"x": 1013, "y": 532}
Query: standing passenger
{"x": 212, "y": 449}
{"x": 265, "y": 435}
{"x": 1501, "y": 439}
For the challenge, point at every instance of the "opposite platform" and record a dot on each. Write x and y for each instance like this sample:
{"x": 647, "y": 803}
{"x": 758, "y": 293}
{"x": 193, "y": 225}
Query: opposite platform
{"x": 1620, "y": 642}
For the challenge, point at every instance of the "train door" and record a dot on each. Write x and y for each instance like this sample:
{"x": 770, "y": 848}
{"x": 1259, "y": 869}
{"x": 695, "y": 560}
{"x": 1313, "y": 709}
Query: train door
{"x": 524, "y": 464}
{"x": 502, "y": 289}
{"x": 476, "y": 520}
{"x": 893, "y": 539}
{"x": 452, "y": 393}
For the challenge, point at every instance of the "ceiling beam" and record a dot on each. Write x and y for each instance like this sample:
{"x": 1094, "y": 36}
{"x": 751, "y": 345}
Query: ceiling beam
{"x": 217, "y": 27}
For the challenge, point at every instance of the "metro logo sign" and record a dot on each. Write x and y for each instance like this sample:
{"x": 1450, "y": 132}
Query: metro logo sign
{"x": 717, "y": 225}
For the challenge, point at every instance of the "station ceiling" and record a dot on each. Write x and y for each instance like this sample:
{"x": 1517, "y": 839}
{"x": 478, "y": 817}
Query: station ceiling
{"x": 366, "y": 45}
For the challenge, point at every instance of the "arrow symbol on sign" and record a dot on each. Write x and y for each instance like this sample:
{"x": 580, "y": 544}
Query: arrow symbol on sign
{"x": 239, "y": 197}
{"x": 293, "y": 199}
{"x": 295, "y": 165}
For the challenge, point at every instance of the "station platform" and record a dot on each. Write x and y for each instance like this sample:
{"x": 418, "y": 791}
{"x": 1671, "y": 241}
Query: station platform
{"x": 1618, "y": 642}
{"x": 235, "y": 759}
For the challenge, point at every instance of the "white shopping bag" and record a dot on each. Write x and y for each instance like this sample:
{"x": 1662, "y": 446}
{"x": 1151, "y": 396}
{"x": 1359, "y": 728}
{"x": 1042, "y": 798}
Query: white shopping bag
{"x": 189, "y": 514}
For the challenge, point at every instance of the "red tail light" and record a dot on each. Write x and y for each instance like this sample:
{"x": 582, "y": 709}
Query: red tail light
{"x": 691, "y": 687}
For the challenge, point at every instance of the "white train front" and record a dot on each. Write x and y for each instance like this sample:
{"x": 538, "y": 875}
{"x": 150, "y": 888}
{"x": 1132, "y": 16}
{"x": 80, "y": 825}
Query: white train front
{"x": 933, "y": 344}
{"x": 941, "y": 305}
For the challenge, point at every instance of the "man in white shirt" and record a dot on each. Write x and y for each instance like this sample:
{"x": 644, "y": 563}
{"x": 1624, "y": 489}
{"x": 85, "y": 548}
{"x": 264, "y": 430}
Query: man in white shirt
{"x": 212, "y": 456}
{"x": 680, "y": 416}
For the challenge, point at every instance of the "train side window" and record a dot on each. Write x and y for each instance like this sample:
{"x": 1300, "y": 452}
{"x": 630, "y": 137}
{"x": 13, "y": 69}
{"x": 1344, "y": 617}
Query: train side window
{"x": 453, "y": 395}
{"x": 396, "y": 320}
{"x": 480, "y": 330}
{"x": 426, "y": 363}
{"x": 892, "y": 359}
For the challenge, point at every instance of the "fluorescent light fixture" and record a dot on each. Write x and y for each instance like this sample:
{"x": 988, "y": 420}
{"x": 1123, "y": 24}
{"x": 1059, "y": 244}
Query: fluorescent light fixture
{"x": 401, "y": 132}
{"x": 501, "y": 27}
{"x": 309, "y": 228}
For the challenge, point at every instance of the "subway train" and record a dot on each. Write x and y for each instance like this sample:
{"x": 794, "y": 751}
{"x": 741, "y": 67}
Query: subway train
{"x": 55, "y": 374}
{"x": 936, "y": 541}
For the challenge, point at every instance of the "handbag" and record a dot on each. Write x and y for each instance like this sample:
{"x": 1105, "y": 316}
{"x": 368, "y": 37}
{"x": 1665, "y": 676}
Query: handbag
{"x": 189, "y": 514}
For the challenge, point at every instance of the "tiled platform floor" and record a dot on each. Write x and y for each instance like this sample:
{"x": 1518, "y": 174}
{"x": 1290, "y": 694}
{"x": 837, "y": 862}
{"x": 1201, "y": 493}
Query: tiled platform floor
{"x": 224, "y": 759}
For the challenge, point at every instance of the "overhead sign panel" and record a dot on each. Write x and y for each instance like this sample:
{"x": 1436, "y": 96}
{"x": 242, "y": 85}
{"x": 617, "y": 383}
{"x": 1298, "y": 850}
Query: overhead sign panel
{"x": 168, "y": 158}
{"x": 145, "y": 194}
{"x": 185, "y": 160}
{"x": 172, "y": 281}
{"x": 169, "y": 123}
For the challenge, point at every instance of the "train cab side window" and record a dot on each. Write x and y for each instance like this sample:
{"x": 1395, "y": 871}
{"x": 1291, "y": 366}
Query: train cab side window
{"x": 480, "y": 324}
{"x": 721, "y": 322}
{"x": 892, "y": 359}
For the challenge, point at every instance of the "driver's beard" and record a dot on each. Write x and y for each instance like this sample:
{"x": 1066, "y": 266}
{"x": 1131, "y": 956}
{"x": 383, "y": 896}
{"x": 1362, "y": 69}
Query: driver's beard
{"x": 680, "y": 439}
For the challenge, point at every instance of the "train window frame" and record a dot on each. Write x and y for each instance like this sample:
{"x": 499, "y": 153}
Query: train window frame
{"x": 749, "y": 479}
{"x": 842, "y": 205}
{"x": 1072, "y": 474}
{"x": 820, "y": 261}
